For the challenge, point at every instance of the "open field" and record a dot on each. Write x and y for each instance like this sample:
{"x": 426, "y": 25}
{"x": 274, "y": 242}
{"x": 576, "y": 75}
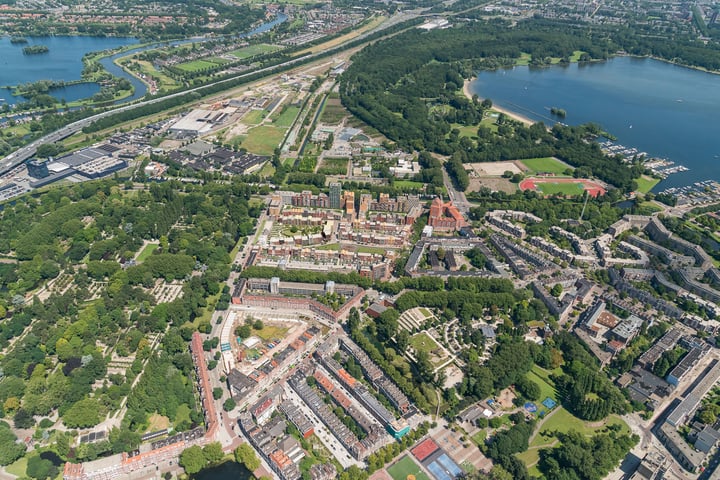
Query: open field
{"x": 333, "y": 166}
{"x": 252, "y": 50}
{"x": 334, "y": 112}
{"x": 253, "y": 117}
{"x": 196, "y": 65}
{"x": 493, "y": 169}
{"x": 547, "y": 389}
{"x": 147, "y": 251}
{"x": 158, "y": 422}
{"x": 562, "y": 186}
{"x": 646, "y": 183}
{"x": 270, "y": 332}
{"x": 563, "y": 421}
{"x": 538, "y": 166}
{"x": 287, "y": 117}
{"x": 149, "y": 69}
{"x": 406, "y": 466}
{"x": 422, "y": 342}
{"x": 263, "y": 140}
{"x": 407, "y": 184}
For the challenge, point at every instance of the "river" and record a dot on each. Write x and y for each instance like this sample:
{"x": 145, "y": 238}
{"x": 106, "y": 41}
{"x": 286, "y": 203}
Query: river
{"x": 64, "y": 62}
{"x": 140, "y": 87}
{"x": 663, "y": 109}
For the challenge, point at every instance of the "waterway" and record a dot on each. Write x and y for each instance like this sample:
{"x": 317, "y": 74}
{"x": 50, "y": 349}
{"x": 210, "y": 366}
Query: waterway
{"x": 663, "y": 109}
{"x": 140, "y": 87}
{"x": 64, "y": 62}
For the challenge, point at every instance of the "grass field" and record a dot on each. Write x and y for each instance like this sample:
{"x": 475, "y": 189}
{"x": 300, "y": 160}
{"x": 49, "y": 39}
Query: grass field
{"x": 158, "y": 422}
{"x": 196, "y": 65}
{"x": 545, "y": 165}
{"x": 646, "y": 183}
{"x": 560, "y": 188}
{"x": 287, "y": 117}
{"x": 407, "y": 184}
{"x": 270, "y": 332}
{"x": 252, "y": 50}
{"x": 334, "y": 112}
{"x": 253, "y": 117}
{"x": 562, "y": 421}
{"x": 149, "y": 69}
{"x": 547, "y": 389}
{"x": 422, "y": 342}
{"x": 406, "y": 466}
{"x": 263, "y": 140}
{"x": 333, "y": 166}
{"x": 147, "y": 251}
{"x": 426, "y": 312}
{"x": 18, "y": 468}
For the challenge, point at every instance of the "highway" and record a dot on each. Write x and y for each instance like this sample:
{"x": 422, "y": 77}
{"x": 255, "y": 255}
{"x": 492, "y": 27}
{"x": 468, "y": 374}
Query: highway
{"x": 19, "y": 156}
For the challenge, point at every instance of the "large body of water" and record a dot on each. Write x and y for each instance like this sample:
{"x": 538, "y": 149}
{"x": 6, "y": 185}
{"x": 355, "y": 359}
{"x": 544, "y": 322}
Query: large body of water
{"x": 64, "y": 62}
{"x": 663, "y": 109}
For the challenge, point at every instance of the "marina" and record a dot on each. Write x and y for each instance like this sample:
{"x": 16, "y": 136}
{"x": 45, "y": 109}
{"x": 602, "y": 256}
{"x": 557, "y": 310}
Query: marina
{"x": 660, "y": 167}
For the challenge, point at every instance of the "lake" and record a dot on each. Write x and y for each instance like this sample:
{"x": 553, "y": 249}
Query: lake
{"x": 663, "y": 109}
{"x": 62, "y": 62}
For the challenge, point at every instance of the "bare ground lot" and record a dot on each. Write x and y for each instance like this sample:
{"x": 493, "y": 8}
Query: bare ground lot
{"x": 495, "y": 169}
{"x": 496, "y": 184}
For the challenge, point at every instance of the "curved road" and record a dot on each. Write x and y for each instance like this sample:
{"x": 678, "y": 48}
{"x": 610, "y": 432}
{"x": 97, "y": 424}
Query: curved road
{"x": 19, "y": 156}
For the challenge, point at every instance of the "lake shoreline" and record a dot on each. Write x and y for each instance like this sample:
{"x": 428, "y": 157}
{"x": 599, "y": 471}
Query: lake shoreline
{"x": 514, "y": 115}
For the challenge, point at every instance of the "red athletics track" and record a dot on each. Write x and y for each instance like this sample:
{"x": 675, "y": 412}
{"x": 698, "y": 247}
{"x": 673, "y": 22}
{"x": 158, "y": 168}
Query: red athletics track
{"x": 594, "y": 189}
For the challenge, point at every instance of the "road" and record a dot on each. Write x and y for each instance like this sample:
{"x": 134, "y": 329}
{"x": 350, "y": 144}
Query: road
{"x": 19, "y": 156}
{"x": 456, "y": 196}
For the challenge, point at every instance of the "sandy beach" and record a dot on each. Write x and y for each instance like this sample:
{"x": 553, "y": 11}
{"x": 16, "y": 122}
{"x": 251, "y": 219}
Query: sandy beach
{"x": 511, "y": 114}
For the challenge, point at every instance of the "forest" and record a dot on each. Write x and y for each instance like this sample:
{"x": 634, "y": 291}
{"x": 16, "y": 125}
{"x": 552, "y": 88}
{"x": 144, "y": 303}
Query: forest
{"x": 76, "y": 350}
{"x": 408, "y": 87}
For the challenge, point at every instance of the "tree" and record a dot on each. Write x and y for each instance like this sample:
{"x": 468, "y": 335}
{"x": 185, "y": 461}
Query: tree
{"x": 243, "y": 331}
{"x": 229, "y": 404}
{"x": 217, "y": 393}
{"x": 245, "y": 455}
{"x": 85, "y": 413}
{"x": 213, "y": 453}
{"x": 40, "y": 468}
{"x": 23, "y": 419}
{"x": 192, "y": 459}
{"x": 258, "y": 324}
{"x": 10, "y": 449}
{"x": 556, "y": 290}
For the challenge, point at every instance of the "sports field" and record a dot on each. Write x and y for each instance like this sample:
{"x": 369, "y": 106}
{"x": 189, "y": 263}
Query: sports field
{"x": 538, "y": 166}
{"x": 252, "y": 50}
{"x": 196, "y": 65}
{"x": 562, "y": 186}
{"x": 406, "y": 467}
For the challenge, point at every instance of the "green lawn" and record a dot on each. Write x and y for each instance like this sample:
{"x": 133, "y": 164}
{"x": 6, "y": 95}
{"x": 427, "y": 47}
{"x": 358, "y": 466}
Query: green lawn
{"x": 334, "y": 166}
{"x": 575, "y": 57}
{"x": 563, "y": 421}
{"x": 547, "y": 389}
{"x": 270, "y": 332}
{"x": 329, "y": 246}
{"x": 646, "y": 183}
{"x": 560, "y": 188}
{"x": 407, "y": 184}
{"x": 426, "y": 312}
{"x": 545, "y": 165}
{"x": 422, "y": 342}
{"x": 479, "y": 437}
{"x": 524, "y": 59}
{"x": 147, "y": 251}
{"x": 287, "y": 117}
{"x": 252, "y": 50}
{"x": 196, "y": 65}
{"x": 406, "y": 466}
{"x": 263, "y": 140}
{"x": 18, "y": 468}
{"x": 253, "y": 117}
